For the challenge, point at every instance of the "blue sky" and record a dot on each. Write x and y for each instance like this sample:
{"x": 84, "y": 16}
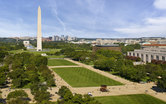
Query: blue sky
{"x": 84, "y": 18}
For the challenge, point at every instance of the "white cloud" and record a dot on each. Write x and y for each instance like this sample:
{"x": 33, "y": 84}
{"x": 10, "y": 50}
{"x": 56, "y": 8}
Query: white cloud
{"x": 155, "y": 26}
{"x": 156, "y": 21}
{"x": 160, "y": 4}
{"x": 152, "y": 27}
{"x": 19, "y": 28}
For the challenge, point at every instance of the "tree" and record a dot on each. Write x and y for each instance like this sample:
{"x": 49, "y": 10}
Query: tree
{"x": 63, "y": 90}
{"x": 3, "y": 74}
{"x": 42, "y": 96}
{"x": 162, "y": 81}
{"x": 40, "y": 92}
{"x": 131, "y": 47}
{"x": 18, "y": 77}
{"x": 2, "y": 55}
{"x": 17, "y": 97}
{"x": 40, "y": 60}
{"x": 106, "y": 64}
{"x": 153, "y": 71}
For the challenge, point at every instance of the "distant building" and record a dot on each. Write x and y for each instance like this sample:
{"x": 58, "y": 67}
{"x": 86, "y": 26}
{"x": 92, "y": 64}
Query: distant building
{"x": 56, "y": 38}
{"x": 149, "y": 54}
{"x": 68, "y": 38}
{"x": 46, "y": 39}
{"x": 154, "y": 46}
{"x": 62, "y": 38}
{"x": 26, "y": 43}
{"x": 114, "y": 47}
{"x": 163, "y": 41}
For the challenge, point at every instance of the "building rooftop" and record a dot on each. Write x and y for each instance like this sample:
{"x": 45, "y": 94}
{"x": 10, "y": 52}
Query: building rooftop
{"x": 111, "y": 45}
{"x": 154, "y": 45}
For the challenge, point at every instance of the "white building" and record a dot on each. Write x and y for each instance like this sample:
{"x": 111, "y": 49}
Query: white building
{"x": 149, "y": 54}
{"x": 26, "y": 43}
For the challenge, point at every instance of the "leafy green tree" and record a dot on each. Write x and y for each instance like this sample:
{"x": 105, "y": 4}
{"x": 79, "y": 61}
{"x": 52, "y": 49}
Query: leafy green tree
{"x": 40, "y": 60}
{"x": 18, "y": 77}
{"x": 153, "y": 71}
{"x": 106, "y": 64}
{"x": 17, "y": 97}
{"x": 63, "y": 90}
{"x": 2, "y": 55}
{"x": 162, "y": 81}
{"x": 131, "y": 47}
{"x": 42, "y": 96}
{"x": 3, "y": 74}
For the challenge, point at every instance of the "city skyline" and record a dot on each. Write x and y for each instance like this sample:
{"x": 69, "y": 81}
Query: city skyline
{"x": 85, "y": 18}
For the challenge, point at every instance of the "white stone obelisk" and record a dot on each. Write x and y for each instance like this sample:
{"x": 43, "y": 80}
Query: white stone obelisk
{"x": 39, "y": 33}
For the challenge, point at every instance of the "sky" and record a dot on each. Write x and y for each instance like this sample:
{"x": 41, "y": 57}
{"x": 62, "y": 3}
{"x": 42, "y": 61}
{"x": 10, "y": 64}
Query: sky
{"x": 84, "y": 18}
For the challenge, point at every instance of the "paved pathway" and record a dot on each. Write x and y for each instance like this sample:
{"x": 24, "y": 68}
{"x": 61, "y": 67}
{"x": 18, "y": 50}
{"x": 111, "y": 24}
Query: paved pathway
{"x": 128, "y": 88}
{"x": 62, "y": 66}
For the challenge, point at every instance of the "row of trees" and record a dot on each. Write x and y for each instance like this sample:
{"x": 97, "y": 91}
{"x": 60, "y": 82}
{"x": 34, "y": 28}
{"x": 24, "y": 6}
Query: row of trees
{"x": 11, "y": 46}
{"x": 84, "y": 56}
{"x": 130, "y": 47}
{"x": 63, "y": 45}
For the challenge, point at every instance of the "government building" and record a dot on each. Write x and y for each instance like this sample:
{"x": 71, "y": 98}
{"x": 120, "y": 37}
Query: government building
{"x": 150, "y": 52}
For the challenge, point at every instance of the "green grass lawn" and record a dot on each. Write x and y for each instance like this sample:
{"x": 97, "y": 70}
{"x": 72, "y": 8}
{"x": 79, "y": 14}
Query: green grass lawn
{"x": 54, "y": 56}
{"x": 130, "y": 99}
{"x": 59, "y": 62}
{"x": 34, "y": 51}
{"x": 82, "y": 77}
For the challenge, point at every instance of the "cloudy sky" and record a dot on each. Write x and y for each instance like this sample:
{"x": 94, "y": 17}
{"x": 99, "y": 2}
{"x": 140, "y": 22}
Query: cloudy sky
{"x": 84, "y": 18}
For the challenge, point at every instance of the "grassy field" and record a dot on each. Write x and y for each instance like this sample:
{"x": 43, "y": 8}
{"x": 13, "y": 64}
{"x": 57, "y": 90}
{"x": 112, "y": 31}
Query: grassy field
{"x": 82, "y": 77}
{"x": 54, "y": 56}
{"x": 130, "y": 99}
{"x": 59, "y": 62}
{"x": 35, "y": 52}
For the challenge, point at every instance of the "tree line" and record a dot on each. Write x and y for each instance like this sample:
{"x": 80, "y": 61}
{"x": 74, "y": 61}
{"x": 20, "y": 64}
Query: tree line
{"x": 7, "y": 44}
{"x": 63, "y": 45}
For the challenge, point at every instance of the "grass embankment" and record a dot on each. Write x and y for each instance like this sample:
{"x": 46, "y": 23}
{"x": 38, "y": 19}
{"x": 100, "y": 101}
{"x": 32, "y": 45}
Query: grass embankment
{"x": 130, "y": 99}
{"x": 82, "y": 77}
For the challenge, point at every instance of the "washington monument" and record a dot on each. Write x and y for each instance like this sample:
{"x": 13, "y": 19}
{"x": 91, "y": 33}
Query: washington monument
{"x": 39, "y": 33}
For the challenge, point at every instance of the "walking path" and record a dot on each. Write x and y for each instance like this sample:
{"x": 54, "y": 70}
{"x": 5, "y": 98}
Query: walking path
{"x": 62, "y": 66}
{"x": 128, "y": 88}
